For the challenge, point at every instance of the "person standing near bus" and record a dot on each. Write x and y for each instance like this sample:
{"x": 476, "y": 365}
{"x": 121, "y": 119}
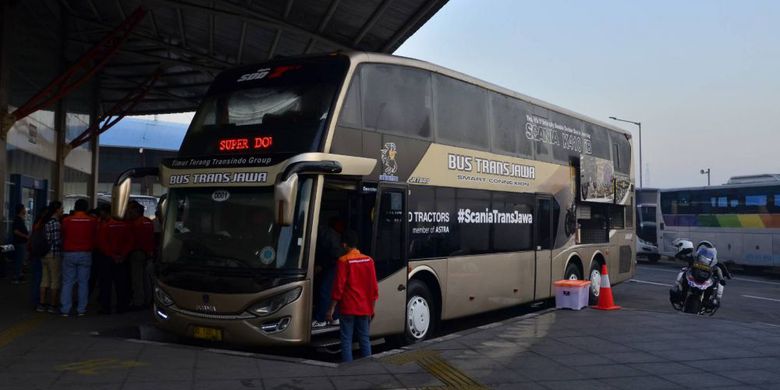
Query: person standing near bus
{"x": 142, "y": 229}
{"x": 20, "y": 237}
{"x": 114, "y": 243}
{"x": 78, "y": 241}
{"x": 36, "y": 259}
{"x": 51, "y": 276}
{"x": 355, "y": 292}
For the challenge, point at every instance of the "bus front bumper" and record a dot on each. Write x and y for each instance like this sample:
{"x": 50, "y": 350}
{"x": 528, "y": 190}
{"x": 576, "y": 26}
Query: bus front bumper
{"x": 277, "y": 330}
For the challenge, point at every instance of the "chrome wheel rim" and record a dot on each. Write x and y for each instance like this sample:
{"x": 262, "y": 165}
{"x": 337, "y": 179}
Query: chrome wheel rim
{"x": 595, "y": 282}
{"x": 418, "y": 317}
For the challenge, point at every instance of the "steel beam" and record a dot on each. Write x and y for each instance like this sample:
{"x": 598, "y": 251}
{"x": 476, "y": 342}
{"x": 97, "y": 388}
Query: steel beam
{"x": 413, "y": 21}
{"x": 180, "y": 18}
{"x": 94, "y": 143}
{"x": 153, "y": 19}
{"x": 240, "y": 54}
{"x": 334, "y": 4}
{"x": 77, "y": 74}
{"x": 278, "y": 35}
{"x": 121, "y": 10}
{"x": 116, "y": 113}
{"x": 168, "y": 46}
{"x": 371, "y": 22}
{"x": 7, "y": 10}
{"x": 251, "y": 17}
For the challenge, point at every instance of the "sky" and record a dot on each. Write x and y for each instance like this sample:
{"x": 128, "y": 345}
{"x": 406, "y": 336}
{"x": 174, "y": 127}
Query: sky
{"x": 702, "y": 76}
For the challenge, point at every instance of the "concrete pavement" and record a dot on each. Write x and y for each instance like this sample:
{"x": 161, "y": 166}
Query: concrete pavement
{"x": 549, "y": 349}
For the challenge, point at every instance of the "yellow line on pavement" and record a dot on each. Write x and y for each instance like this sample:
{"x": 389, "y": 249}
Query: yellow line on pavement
{"x": 95, "y": 366}
{"x": 430, "y": 361}
{"x": 17, "y": 330}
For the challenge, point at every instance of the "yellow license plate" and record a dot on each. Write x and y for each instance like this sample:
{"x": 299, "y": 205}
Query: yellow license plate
{"x": 204, "y": 333}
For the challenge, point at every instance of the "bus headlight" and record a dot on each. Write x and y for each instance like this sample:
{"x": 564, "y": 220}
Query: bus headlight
{"x": 162, "y": 296}
{"x": 273, "y": 304}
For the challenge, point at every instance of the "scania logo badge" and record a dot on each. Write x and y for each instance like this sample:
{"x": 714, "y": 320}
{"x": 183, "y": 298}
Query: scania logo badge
{"x": 206, "y": 298}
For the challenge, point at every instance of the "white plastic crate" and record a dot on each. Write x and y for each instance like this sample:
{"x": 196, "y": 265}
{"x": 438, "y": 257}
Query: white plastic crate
{"x": 571, "y": 294}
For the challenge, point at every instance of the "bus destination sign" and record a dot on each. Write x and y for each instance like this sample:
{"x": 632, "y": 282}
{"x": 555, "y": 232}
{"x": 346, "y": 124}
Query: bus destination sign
{"x": 238, "y": 144}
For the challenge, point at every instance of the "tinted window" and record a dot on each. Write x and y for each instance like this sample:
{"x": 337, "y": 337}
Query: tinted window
{"x": 508, "y": 125}
{"x": 544, "y": 238}
{"x": 755, "y": 200}
{"x": 351, "y": 114}
{"x": 621, "y": 153}
{"x": 396, "y": 99}
{"x": 474, "y": 236}
{"x": 542, "y": 148}
{"x": 389, "y": 235}
{"x": 509, "y": 237}
{"x": 447, "y": 222}
{"x": 600, "y": 144}
{"x": 616, "y": 217}
{"x": 461, "y": 113}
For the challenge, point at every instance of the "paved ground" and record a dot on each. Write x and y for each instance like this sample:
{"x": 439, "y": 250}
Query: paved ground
{"x": 645, "y": 346}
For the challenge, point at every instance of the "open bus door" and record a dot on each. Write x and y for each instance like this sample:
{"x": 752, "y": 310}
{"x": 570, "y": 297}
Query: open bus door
{"x": 390, "y": 256}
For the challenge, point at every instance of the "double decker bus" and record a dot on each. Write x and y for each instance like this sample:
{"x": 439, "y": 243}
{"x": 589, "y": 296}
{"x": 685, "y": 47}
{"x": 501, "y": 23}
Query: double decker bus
{"x": 741, "y": 218}
{"x": 470, "y": 197}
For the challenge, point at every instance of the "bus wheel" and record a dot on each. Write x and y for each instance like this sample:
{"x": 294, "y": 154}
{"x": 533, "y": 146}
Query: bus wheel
{"x": 595, "y": 283}
{"x": 420, "y": 312}
{"x": 572, "y": 272}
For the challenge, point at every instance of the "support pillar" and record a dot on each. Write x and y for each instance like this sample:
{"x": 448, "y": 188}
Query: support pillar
{"x": 60, "y": 118}
{"x": 6, "y": 31}
{"x": 94, "y": 143}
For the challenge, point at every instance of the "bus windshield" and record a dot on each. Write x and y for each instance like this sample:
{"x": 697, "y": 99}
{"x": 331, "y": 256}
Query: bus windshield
{"x": 231, "y": 228}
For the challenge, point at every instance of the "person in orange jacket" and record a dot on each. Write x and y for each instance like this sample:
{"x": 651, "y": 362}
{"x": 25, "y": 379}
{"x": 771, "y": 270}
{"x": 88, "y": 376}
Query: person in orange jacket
{"x": 355, "y": 292}
{"x": 114, "y": 243}
{"x": 78, "y": 240}
{"x": 142, "y": 229}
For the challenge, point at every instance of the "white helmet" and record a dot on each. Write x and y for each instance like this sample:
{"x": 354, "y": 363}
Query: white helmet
{"x": 684, "y": 247}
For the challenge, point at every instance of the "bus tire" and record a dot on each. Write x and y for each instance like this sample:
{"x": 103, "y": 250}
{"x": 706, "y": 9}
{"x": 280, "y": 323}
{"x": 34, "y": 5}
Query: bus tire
{"x": 595, "y": 283}
{"x": 572, "y": 272}
{"x": 421, "y": 312}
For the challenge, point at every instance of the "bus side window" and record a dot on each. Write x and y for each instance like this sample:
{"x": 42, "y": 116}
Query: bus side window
{"x": 389, "y": 256}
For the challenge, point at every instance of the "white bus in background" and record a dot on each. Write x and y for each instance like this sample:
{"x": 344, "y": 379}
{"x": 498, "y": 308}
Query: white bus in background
{"x": 648, "y": 216}
{"x": 741, "y": 217}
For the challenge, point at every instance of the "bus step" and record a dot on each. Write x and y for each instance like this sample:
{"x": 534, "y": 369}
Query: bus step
{"x": 324, "y": 330}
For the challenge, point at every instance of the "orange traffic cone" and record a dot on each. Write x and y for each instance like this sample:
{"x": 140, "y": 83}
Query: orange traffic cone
{"x": 606, "y": 301}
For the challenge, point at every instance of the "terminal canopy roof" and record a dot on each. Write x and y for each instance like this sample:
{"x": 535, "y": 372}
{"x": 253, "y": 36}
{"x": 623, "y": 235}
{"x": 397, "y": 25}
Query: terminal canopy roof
{"x": 193, "y": 40}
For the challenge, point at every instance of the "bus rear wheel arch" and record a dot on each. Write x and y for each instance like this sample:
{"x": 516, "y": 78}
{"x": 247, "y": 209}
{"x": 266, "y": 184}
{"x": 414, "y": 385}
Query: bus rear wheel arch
{"x": 573, "y": 269}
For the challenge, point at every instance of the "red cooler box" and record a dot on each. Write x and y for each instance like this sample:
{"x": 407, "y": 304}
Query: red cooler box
{"x": 571, "y": 294}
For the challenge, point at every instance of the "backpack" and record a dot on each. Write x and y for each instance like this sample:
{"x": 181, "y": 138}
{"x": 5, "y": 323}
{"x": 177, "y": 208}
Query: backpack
{"x": 39, "y": 245}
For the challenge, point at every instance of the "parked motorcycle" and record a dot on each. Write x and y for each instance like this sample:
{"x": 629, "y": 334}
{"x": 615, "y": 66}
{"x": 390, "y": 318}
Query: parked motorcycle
{"x": 699, "y": 286}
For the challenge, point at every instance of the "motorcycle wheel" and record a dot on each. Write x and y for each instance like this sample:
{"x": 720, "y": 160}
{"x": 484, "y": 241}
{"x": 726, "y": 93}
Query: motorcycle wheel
{"x": 692, "y": 304}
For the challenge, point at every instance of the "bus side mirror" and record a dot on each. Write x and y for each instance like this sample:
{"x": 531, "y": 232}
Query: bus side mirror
{"x": 161, "y": 207}
{"x": 120, "y": 193}
{"x": 120, "y": 197}
{"x": 284, "y": 200}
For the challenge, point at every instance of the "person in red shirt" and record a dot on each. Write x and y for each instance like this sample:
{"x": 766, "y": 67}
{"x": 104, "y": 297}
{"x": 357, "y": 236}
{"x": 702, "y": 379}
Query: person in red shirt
{"x": 114, "y": 243}
{"x": 142, "y": 229}
{"x": 78, "y": 241}
{"x": 355, "y": 292}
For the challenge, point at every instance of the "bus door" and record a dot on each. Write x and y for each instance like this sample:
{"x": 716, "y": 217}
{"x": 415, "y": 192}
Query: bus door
{"x": 543, "y": 243}
{"x": 389, "y": 253}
